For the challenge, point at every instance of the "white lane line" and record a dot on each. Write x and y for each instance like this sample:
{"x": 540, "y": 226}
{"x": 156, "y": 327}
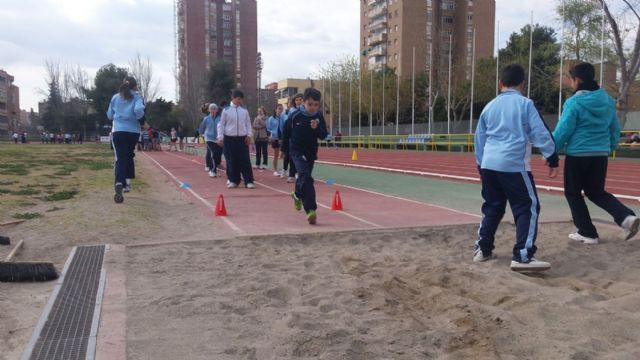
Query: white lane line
{"x": 454, "y": 177}
{"x": 286, "y": 193}
{"x": 325, "y": 206}
{"x": 411, "y": 201}
{"x": 233, "y": 226}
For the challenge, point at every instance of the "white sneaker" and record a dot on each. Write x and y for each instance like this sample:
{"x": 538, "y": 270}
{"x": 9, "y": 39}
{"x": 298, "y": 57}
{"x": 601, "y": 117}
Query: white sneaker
{"x": 532, "y": 265}
{"x": 290, "y": 179}
{"x": 587, "y": 240}
{"x": 282, "y": 174}
{"x": 276, "y": 173}
{"x": 231, "y": 185}
{"x": 478, "y": 256}
{"x": 255, "y": 166}
{"x": 206, "y": 169}
{"x": 212, "y": 174}
{"x": 296, "y": 175}
{"x": 630, "y": 227}
{"x": 251, "y": 186}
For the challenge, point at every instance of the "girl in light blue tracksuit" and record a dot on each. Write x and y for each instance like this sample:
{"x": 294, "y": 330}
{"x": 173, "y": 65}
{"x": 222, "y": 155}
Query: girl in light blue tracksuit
{"x": 126, "y": 110}
{"x": 209, "y": 127}
{"x": 588, "y": 131}
{"x": 274, "y": 123}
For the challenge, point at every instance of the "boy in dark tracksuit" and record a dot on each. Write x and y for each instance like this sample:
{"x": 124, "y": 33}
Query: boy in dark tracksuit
{"x": 300, "y": 141}
{"x": 507, "y": 128}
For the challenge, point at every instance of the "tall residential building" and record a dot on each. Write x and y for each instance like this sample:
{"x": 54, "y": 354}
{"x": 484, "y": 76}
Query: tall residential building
{"x": 208, "y": 31}
{"x": 9, "y": 103}
{"x": 391, "y": 29}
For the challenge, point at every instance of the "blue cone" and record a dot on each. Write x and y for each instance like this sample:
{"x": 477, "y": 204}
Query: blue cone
{"x": 185, "y": 186}
{"x": 329, "y": 182}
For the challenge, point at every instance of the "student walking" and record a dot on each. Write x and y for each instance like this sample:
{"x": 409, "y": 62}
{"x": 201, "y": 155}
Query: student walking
{"x": 300, "y": 143}
{"x": 273, "y": 129}
{"x": 125, "y": 110}
{"x": 508, "y": 126}
{"x": 588, "y": 131}
{"x": 288, "y": 167}
{"x": 261, "y": 138}
{"x": 234, "y": 135}
{"x": 209, "y": 127}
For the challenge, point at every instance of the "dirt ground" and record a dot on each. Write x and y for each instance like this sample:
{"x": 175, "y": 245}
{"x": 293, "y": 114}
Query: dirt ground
{"x": 154, "y": 212}
{"x": 193, "y": 291}
{"x": 393, "y": 294}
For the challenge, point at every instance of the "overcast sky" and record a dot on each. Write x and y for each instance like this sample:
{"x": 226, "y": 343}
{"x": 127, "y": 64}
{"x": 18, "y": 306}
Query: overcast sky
{"x": 294, "y": 36}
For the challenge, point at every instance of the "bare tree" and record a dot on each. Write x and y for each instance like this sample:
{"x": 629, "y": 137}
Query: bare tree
{"x": 142, "y": 69}
{"x": 628, "y": 58}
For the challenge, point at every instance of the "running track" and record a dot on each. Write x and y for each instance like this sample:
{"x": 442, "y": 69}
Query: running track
{"x": 623, "y": 176}
{"x": 268, "y": 209}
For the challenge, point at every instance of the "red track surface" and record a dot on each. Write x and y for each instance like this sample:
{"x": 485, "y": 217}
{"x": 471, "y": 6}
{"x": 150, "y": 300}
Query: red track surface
{"x": 269, "y": 209}
{"x": 623, "y": 175}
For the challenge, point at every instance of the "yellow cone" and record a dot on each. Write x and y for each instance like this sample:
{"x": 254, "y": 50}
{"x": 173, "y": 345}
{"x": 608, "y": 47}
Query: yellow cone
{"x": 354, "y": 157}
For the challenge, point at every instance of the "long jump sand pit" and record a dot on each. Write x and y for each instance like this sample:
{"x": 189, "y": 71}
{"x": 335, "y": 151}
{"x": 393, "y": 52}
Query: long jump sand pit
{"x": 390, "y": 294}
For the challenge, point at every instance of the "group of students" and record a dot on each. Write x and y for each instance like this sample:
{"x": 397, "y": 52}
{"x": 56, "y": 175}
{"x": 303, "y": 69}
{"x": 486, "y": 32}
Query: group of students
{"x": 229, "y": 130}
{"x": 588, "y": 131}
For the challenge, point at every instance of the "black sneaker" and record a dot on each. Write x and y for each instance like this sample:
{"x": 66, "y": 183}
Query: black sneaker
{"x": 117, "y": 197}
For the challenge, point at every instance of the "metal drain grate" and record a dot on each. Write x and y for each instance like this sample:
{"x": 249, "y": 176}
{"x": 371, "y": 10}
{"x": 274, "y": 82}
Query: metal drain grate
{"x": 68, "y": 326}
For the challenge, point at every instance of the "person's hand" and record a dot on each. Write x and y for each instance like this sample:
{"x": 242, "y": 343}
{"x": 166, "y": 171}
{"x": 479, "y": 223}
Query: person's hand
{"x": 247, "y": 140}
{"x": 553, "y": 172}
{"x": 221, "y": 143}
{"x": 314, "y": 123}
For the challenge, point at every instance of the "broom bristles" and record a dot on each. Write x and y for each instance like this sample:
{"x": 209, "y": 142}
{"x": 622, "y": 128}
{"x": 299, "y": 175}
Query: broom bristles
{"x": 27, "y": 271}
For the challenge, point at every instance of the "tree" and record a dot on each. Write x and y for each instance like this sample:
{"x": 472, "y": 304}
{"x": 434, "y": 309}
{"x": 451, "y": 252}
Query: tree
{"x": 106, "y": 83}
{"x": 142, "y": 70}
{"x": 158, "y": 113}
{"x": 221, "y": 81}
{"x": 583, "y": 29}
{"x": 545, "y": 63}
{"x": 628, "y": 59}
{"x": 51, "y": 119}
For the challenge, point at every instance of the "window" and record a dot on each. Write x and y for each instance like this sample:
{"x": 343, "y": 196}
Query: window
{"x": 395, "y": 56}
{"x": 447, "y": 19}
{"x": 396, "y": 28}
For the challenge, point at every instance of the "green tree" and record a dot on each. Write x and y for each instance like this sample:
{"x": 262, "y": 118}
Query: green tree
{"x": 220, "y": 82}
{"x": 583, "y": 30}
{"x": 106, "y": 84}
{"x": 545, "y": 63}
{"x": 158, "y": 112}
{"x": 51, "y": 119}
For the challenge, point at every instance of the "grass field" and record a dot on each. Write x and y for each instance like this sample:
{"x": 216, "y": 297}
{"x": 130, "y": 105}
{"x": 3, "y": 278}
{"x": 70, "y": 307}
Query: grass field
{"x": 39, "y": 179}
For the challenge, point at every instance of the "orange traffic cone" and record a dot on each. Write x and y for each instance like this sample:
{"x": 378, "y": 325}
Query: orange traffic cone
{"x": 336, "y": 204}
{"x": 221, "y": 210}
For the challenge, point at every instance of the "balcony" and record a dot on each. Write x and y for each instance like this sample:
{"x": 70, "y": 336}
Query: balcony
{"x": 377, "y": 24}
{"x": 377, "y": 11}
{"x": 376, "y": 51}
{"x": 377, "y": 39}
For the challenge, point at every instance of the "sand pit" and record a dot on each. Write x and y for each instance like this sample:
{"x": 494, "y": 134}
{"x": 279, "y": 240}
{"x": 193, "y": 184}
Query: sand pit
{"x": 404, "y": 294}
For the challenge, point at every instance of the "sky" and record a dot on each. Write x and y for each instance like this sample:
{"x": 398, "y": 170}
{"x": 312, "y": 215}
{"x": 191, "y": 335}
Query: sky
{"x": 295, "y": 37}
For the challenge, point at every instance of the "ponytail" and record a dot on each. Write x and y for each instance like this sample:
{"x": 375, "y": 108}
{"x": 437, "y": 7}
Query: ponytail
{"x": 129, "y": 84}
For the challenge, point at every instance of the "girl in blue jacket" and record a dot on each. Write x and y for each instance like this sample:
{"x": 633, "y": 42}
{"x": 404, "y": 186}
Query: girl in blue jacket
{"x": 126, "y": 110}
{"x": 588, "y": 132}
{"x": 273, "y": 129}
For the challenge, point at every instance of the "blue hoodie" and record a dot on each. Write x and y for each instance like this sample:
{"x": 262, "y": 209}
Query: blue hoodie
{"x": 209, "y": 127}
{"x": 588, "y": 125}
{"x": 125, "y": 113}
{"x": 508, "y": 126}
{"x": 274, "y": 125}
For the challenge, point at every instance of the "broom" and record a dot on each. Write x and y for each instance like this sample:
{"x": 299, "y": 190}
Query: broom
{"x": 25, "y": 271}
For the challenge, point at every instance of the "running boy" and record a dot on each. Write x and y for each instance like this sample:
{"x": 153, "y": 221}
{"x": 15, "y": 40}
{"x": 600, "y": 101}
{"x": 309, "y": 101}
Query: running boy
{"x": 300, "y": 142}
{"x": 507, "y": 128}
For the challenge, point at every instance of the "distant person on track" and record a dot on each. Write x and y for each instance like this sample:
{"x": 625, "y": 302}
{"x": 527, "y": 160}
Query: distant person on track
{"x": 274, "y": 125}
{"x": 300, "y": 143}
{"x": 508, "y": 126}
{"x": 15, "y": 137}
{"x": 261, "y": 139}
{"x": 126, "y": 109}
{"x": 234, "y": 135}
{"x": 174, "y": 139}
{"x": 588, "y": 131}
{"x": 209, "y": 127}
{"x": 288, "y": 167}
